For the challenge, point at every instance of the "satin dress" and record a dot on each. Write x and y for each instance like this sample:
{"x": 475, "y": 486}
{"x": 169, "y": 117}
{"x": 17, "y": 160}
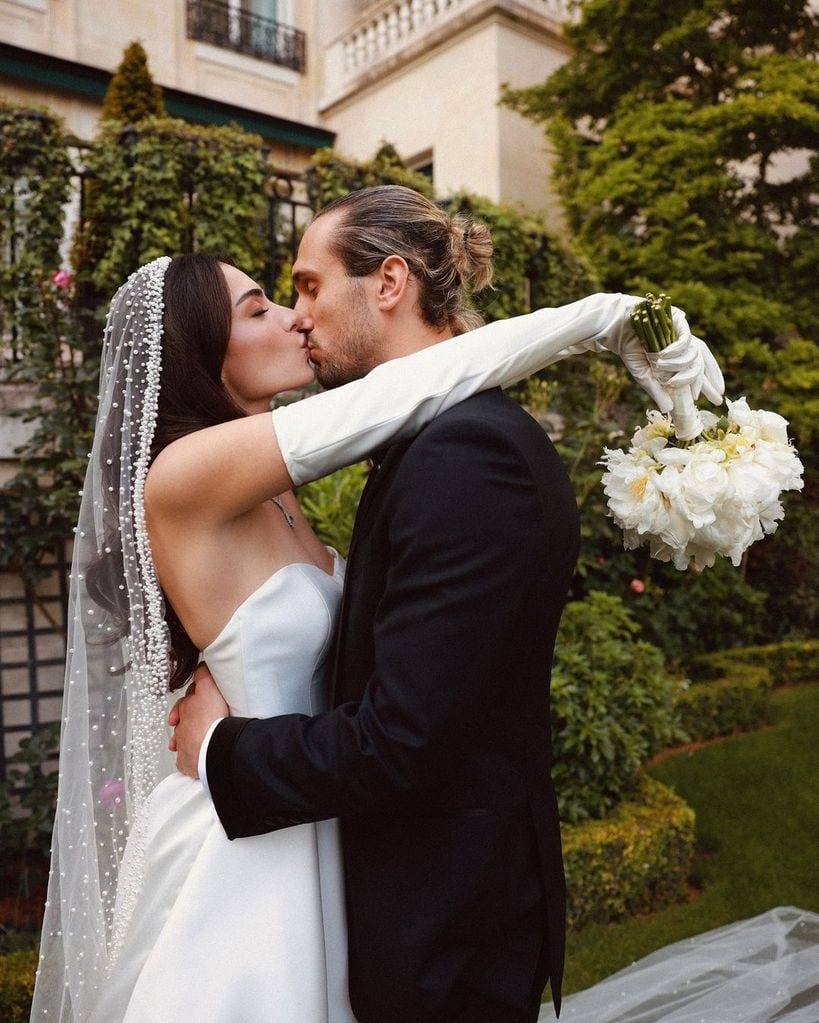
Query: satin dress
{"x": 254, "y": 929}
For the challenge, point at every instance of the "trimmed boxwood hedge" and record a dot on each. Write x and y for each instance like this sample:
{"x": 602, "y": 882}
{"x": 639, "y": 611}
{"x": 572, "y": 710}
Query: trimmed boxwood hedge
{"x": 636, "y": 860}
{"x": 786, "y": 663}
{"x": 707, "y": 710}
{"x": 17, "y": 971}
{"x": 729, "y": 690}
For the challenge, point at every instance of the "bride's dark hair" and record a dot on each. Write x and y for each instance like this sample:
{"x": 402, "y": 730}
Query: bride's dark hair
{"x": 196, "y": 331}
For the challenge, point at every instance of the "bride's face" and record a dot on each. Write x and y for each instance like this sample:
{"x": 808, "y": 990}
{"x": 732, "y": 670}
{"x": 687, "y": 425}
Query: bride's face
{"x": 265, "y": 353}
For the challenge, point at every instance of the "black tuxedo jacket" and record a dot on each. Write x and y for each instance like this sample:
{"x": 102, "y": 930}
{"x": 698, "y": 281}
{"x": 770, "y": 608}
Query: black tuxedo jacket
{"x": 436, "y": 754}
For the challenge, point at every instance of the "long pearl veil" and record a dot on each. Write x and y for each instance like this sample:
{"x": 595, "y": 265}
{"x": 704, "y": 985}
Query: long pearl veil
{"x": 112, "y": 746}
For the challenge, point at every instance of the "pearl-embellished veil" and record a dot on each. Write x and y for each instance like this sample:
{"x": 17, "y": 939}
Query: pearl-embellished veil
{"x": 113, "y": 741}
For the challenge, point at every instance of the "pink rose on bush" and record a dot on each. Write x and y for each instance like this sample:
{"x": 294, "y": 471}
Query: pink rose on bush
{"x": 637, "y": 586}
{"x": 61, "y": 278}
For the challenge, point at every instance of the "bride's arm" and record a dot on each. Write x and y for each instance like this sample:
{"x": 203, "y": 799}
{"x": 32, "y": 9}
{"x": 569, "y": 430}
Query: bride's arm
{"x": 222, "y": 471}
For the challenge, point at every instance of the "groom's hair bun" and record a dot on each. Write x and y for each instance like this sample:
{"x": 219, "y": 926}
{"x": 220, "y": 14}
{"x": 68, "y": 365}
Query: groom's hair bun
{"x": 449, "y": 256}
{"x": 472, "y": 251}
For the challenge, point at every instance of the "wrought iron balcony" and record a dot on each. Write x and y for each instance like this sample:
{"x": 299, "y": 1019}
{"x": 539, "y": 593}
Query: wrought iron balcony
{"x": 222, "y": 24}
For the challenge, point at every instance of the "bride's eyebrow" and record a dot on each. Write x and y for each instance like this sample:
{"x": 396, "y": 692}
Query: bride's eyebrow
{"x": 250, "y": 293}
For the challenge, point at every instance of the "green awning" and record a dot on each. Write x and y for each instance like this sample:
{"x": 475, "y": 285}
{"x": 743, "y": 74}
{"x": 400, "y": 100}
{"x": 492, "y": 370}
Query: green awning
{"x": 82, "y": 80}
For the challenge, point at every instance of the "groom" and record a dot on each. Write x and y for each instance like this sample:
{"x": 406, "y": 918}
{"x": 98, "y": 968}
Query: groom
{"x": 436, "y": 752}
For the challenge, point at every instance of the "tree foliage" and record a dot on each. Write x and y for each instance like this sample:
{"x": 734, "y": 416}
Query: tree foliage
{"x": 331, "y": 175}
{"x": 687, "y": 143}
{"x": 38, "y": 506}
{"x": 132, "y": 94}
{"x": 34, "y": 183}
{"x": 168, "y": 187}
{"x": 688, "y": 148}
{"x": 165, "y": 187}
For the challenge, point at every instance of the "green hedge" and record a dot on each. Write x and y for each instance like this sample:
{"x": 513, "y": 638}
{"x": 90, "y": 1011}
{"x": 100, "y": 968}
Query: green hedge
{"x": 730, "y": 690}
{"x": 738, "y": 704}
{"x": 786, "y": 663}
{"x": 17, "y": 971}
{"x": 636, "y": 860}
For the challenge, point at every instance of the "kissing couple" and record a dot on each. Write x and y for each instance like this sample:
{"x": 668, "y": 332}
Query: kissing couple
{"x": 353, "y": 819}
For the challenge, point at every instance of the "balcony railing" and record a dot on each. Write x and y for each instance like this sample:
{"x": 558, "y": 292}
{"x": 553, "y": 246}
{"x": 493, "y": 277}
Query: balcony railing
{"x": 390, "y": 28}
{"x": 222, "y": 24}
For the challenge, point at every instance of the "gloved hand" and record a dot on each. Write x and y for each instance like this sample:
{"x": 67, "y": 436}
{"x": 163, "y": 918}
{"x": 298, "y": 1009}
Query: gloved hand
{"x": 685, "y": 369}
{"x": 687, "y": 365}
{"x": 688, "y": 362}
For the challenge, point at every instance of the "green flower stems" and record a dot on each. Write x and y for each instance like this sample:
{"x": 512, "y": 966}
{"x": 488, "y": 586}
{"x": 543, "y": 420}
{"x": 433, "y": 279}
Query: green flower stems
{"x": 652, "y": 322}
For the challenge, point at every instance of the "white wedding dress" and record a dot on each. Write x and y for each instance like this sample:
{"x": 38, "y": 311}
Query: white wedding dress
{"x": 254, "y": 929}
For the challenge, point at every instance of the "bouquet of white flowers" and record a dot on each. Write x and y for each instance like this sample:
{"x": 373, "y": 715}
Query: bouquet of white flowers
{"x": 712, "y": 495}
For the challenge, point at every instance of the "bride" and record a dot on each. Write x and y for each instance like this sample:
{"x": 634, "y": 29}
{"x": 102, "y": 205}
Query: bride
{"x": 190, "y": 542}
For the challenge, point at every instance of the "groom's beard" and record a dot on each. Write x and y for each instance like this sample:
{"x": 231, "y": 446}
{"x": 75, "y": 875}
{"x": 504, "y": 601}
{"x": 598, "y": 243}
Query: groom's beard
{"x": 354, "y": 350}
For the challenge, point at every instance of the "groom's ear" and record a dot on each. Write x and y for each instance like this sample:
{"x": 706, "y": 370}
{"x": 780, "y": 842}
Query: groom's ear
{"x": 393, "y": 281}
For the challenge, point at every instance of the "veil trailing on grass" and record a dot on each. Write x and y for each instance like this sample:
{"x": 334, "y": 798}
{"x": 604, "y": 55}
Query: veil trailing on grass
{"x": 762, "y": 970}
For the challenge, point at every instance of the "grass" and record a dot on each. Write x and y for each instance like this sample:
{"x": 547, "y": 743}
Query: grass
{"x": 757, "y": 803}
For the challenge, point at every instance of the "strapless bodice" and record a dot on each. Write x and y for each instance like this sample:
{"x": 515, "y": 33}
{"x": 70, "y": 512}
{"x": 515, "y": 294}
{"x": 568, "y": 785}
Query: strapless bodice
{"x": 253, "y": 929}
{"x": 268, "y": 658}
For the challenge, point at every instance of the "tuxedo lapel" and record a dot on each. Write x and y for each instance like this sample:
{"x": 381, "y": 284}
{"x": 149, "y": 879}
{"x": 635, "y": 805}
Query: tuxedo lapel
{"x": 381, "y": 471}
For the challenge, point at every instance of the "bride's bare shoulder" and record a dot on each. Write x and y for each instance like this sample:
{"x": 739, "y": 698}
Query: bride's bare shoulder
{"x": 166, "y": 485}
{"x": 218, "y": 472}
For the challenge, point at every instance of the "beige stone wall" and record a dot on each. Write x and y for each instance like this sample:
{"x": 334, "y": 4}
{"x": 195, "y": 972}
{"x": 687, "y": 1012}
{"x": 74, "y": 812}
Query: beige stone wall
{"x": 525, "y": 59}
{"x": 14, "y": 431}
{"x": 438, "y": 94}
{"x": 79, "y": 115}
{"x": 446, "y": 102}
{"x": 95, "y": 33}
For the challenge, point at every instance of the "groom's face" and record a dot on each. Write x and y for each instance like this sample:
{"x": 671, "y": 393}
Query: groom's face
{"x": 337, "y": 312}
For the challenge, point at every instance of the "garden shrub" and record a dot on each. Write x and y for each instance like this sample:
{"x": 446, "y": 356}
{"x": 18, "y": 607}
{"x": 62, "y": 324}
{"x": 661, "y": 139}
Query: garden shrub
{"x": 132, "y": 94}
{"x": 35, "y": 318}
{"x": 160, "y": 187}
{"x": 166, "y": 187}
{"x": 612, "y": 706}
{"x": 737, "y": 704}
{"x": 28, "y": 796}
{"x": 330, "y": 505}
{"x": 34, "y": 186}
{"x": 729, "y": 689}
{"x": 688, "y": 613}
{"x": 786, "y": 663}
{"x": 17, "y": 970}
{"x": 636, "y": 860}
{"x": 331, "y": 175}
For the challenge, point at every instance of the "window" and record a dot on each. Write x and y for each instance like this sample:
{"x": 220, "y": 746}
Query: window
{"x": 247, "y": 26}
{"x": 423, "y": 163}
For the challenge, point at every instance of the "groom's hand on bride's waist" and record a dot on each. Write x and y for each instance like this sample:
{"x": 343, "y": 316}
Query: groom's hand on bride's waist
{"x": 191, "y": 717}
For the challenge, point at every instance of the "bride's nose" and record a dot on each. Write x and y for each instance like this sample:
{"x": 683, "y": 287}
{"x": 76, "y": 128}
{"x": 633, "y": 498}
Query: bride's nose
{"x": 288, "y": 319}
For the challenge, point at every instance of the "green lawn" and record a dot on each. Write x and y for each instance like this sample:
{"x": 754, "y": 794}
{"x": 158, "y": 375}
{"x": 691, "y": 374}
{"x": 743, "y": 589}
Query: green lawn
{"x": 757, "y": 802}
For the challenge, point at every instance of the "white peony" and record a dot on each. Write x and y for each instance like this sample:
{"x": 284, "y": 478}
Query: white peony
{"x": 707, "y": 499}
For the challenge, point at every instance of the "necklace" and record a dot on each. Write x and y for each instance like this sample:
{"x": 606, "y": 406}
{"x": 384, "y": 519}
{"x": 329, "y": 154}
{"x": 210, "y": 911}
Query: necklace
{"x": 289, "y": 519}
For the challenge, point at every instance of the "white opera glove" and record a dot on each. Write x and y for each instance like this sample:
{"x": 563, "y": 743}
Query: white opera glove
{"x": 675, "y": 377}
{"x": 686, "y": 369}
{"x": 396, "y": 399}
